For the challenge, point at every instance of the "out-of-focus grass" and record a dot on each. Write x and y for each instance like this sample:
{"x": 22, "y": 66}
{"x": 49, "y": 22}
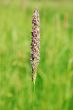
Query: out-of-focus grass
{"x": 54, "y": 84}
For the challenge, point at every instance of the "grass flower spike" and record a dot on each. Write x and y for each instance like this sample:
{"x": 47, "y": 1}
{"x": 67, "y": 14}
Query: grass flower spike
{"x": 35, "y": 45}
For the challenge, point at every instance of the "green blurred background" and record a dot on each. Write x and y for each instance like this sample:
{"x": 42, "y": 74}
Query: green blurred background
{"x": 54, "y": 84}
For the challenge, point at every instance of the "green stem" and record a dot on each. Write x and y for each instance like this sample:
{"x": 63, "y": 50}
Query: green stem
{"x": 33, "y": 96}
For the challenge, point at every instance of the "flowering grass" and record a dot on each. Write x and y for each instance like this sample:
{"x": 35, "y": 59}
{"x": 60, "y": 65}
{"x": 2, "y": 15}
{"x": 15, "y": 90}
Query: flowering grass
{"x": 54, "y": 83}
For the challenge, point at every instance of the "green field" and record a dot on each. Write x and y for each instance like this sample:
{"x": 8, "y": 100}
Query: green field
{"x": 54, "y": 84}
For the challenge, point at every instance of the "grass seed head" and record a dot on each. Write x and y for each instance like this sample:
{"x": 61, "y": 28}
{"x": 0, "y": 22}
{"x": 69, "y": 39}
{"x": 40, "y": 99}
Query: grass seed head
{"x": 35, "y": 45}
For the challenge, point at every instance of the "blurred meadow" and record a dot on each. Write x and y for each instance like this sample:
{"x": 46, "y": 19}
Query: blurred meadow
{"x": 54, "y": 84}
